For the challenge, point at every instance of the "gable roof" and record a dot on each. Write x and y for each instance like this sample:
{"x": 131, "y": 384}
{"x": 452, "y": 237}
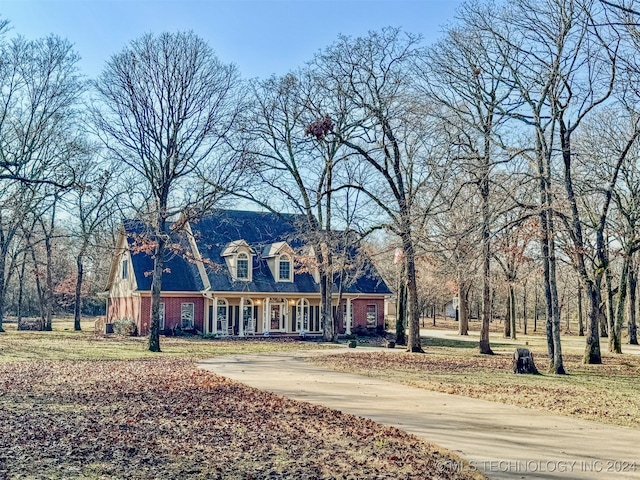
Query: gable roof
{"x": 267, "y": 233}
{"x": 180, "y": 275}
{"x": 234, "y": 247}
{"x": 273, "y": 249}
{"x": 219, "y": 234}
{"x": 260, "y": 230}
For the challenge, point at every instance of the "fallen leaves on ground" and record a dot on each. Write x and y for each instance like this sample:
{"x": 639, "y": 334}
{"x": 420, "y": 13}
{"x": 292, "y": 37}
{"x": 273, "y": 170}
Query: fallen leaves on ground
{"x": 164, "y": 419}
{"x": 608, "y": 393}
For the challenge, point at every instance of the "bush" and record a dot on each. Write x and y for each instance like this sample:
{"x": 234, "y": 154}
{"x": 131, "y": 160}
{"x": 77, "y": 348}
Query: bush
{"x": 126, "y": 327}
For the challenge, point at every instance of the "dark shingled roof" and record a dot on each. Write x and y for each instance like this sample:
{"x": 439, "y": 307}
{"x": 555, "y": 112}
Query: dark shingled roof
{"x": 215, "y": 231}
{"x": 180, "y": 275}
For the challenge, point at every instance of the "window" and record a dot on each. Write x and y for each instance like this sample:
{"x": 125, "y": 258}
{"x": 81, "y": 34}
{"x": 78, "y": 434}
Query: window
{"x": 243, "y": 267}
{"x": 161, "y": 316}
{"x": 221, "y": 316}
{"x": 302, "y": 315}
{"x": 285, "y": 268}
{"x": 186, "y": 315}
{"x": 372, "y": 316}
{"x": 125, "y": 269}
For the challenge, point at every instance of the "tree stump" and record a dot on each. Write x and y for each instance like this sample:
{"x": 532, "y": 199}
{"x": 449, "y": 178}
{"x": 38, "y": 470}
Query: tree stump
{"x": 523, "y": 362}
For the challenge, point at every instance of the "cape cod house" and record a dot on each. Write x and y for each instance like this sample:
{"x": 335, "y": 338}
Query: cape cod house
{"x": 236, "y": 273}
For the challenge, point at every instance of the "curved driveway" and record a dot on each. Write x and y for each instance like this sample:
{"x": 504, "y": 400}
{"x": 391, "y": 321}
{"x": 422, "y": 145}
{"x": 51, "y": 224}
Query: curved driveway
{"x": 503, "y": 441}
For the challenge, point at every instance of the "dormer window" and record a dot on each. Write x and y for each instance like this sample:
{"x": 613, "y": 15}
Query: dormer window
{"x": 243, "y": 267}
{"x": 284, "y": 269}
{"x": 239, "y": 257}
{"x": 279, "y": 257}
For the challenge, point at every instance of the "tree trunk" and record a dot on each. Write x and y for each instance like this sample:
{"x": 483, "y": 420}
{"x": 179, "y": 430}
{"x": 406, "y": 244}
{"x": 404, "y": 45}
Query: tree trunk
{"x": 413, "y": 341}
{"x": 544, "y": 243}
{"x": 633, "y": 282}
{"x": 616, "y": 346}
{"x": 49, "y": 298}
{"x": 463, "y": 307}
{"x": 524, "y": 309}
{"x": 611, "y": 317}
{"x": 535, "y": 309}
{"x": 21, "y": 287}
{"x": 401, "y": 310}
{"x": 549, "y": 261}
{"x": 592, "y": 355}
{"x": 557, "y": 367}
{"x": 161, "y": 238}
{"x": 3, "y": 287}
{"x": 580, "y": 312}
{"x": 512, "y": 305}
{"x": 326, "y": 307}
{"x": 602, "y": 318}
{"x": 485, "y": 346}
{"x": 77, "y": 307}
{"x": 507, "y": 317}
{"x": 156, "y": 289}
{"x": 39, "y": 289}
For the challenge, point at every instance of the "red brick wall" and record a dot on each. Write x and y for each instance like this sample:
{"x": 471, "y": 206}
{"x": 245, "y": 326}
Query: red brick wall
{"x": 359, "y": 312}
{"x": 172, "y": 306}
{"x": 359, "y": 309}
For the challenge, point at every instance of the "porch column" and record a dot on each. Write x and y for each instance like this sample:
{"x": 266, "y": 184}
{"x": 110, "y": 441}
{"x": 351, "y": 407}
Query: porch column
{"x": 205, "y": 316}
{"x": 241, "y": 319}
{"x": 215, "y": 315}
{"x": 347, "y": 320}
{"x": 266, "y": 319}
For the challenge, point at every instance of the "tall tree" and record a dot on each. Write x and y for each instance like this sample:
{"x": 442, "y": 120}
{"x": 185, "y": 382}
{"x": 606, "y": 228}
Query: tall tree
{"x": 39, "y": 91}
{"x": 165, "y": 108}
{"x": 391, "y": 133}
{"x": 297, "y": 165}
{"x": 464, "y": 75}
{"x": 91, "y": 202}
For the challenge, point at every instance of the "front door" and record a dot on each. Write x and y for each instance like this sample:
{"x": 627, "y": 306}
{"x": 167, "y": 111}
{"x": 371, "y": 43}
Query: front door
{"x": 278, "y": 317}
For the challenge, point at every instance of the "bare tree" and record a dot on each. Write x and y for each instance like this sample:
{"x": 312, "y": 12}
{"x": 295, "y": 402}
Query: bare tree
{"x": 91, "y": 202}
{"x": 562, "y": 61}
{"x": 39, "y": 90}
{"x": 298, "y": 165}
{"x": 464, "y": 74}
{"x": 391, "y": 134}
{"x": 165, "y": 108}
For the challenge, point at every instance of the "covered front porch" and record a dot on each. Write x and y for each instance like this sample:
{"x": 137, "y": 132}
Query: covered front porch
{"x": 253, "y": 315}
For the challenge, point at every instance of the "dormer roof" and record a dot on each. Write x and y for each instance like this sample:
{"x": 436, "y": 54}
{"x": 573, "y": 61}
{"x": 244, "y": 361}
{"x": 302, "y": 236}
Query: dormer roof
{"x": 273, "y": 249}
{"x": 235, "y": 246}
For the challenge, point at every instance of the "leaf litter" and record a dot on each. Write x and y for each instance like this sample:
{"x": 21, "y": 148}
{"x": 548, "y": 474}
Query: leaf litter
{"x": 165, "y": 419}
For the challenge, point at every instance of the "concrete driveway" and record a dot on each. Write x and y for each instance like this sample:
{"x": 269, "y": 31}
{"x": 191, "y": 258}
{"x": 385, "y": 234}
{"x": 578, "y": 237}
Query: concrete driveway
{"x": 503, "y": 441}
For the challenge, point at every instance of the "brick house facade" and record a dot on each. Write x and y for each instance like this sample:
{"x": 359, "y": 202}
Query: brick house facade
{"x": 240, "y": 276}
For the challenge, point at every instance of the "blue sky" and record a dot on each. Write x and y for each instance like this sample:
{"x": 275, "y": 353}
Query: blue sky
{"x": 261, "y": 37}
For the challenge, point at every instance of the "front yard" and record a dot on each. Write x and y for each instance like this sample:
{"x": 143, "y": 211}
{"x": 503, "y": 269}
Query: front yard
{"x": 77, "y": 406}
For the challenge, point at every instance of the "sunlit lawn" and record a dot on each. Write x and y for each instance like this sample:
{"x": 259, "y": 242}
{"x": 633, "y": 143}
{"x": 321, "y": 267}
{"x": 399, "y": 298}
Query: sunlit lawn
{"x": 63, "y": 343}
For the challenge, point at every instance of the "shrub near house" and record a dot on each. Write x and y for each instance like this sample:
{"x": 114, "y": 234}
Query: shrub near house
{"x": 236, "y": 273}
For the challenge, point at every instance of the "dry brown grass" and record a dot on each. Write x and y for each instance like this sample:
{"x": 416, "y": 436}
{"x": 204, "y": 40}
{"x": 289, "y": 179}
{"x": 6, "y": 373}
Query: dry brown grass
{"x": 164, "y": 419}
{"x": 78, "y": 406}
